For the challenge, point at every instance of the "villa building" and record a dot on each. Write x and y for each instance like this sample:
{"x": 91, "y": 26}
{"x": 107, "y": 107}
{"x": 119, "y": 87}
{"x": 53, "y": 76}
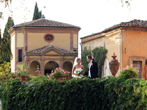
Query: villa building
{"x": 45, "y": 44}
{"x": 128, "y": 40}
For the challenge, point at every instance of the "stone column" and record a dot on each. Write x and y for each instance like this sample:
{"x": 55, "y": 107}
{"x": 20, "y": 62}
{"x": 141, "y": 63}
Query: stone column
{"x": 42, "y": 65}
{"x": 61, "y": 62}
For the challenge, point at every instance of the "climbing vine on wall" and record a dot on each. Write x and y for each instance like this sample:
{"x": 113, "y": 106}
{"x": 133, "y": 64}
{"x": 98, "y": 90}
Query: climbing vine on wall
{"x": 99, "y": 54}
{"x": 85, "y": 52}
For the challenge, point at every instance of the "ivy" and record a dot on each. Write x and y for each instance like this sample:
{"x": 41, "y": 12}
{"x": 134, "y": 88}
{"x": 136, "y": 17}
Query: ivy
{"x": 85, "y": 53}
{"x": 99, "y": 54}
{"x": 77, "y": 94}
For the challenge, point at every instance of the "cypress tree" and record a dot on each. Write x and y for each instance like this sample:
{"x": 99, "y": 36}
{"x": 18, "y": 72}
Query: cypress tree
{"x": 1, "y": 58}
{"x": 37, "y": 14}
{"x": 5, "y": 42}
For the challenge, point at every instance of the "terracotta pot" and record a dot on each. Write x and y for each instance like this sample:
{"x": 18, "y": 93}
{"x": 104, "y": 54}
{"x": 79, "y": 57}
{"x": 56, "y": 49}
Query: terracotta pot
{"x": 62, "y": 77}
{"x": 23, "y": 78}
{"x": 114, "y": 65}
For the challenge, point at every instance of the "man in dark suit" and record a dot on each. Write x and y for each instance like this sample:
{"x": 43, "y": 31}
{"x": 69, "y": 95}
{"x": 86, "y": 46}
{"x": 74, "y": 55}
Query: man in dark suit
{"x": 92, "y": 68}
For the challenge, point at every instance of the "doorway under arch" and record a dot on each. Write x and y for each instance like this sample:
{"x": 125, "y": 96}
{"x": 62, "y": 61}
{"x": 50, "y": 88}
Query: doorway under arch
{"x": 51, "y": 65}
{"x": 33, "y": 68}
{"x": 67, "y": 66}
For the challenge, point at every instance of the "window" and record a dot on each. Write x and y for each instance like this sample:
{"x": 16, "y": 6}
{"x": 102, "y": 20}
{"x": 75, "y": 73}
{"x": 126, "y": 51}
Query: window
{"x": 20, "y": 55}
{"x": 48, "y": 38}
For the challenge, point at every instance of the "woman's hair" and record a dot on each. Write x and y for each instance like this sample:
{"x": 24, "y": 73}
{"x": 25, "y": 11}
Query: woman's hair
{"x": 90, "y": 57}
{"x": 78, "y": 59}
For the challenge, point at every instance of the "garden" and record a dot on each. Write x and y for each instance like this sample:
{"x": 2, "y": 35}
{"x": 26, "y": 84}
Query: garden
{"x": 48, "y": 93}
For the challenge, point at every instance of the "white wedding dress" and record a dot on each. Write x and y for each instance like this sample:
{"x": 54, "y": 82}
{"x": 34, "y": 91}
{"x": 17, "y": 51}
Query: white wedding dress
{"x": 76, "y": 76}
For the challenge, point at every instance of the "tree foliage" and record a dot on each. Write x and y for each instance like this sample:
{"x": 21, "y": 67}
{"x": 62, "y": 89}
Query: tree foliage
{"x": 5, "y": 42}
{"x": 37, "y": 14}
{"x": 85, "y": 52}
{"x": 77, "y": 94}
{"x": 99, "y": 54}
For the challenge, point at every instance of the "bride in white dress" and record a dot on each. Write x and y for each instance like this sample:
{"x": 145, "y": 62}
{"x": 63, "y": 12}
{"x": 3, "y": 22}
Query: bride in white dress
{"x": 78, "y": 67}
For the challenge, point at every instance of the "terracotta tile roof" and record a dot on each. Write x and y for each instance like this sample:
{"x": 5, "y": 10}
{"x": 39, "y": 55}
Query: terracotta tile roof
{"x": 45, "y": 48}
{"x": 42, "y": 22}
{"x": 133, "y": 23}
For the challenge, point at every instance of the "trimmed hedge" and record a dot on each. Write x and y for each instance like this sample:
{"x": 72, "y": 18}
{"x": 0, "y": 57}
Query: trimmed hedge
{"x": 77, "y": 94}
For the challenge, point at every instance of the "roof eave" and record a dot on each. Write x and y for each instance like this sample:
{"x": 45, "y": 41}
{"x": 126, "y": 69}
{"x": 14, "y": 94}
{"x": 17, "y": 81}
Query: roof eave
{"x": 48, "y": 26}
{"x": 29, "y": 53}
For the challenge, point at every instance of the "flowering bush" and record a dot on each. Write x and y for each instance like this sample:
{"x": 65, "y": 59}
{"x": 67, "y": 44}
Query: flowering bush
{"x": 129, "y": 71}
{"x": 5, "y": 70}
{"x": 57, "y": 72}
{"x": 22, "y": 71}
{"x": 13, "y": 74}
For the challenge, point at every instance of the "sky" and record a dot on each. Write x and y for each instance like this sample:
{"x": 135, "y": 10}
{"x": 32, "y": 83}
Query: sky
{"x": 91, "y": 15}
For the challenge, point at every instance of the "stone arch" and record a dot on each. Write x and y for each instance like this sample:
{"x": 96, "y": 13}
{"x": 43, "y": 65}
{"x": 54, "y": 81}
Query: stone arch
{"x": 33, "y": 68}
{"x": 49, "y": 66}
{"x": 67, "y": 66}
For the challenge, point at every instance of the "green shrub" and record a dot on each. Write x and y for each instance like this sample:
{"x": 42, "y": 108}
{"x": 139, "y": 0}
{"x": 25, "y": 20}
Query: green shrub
{"x": 77, "y": 94}
{"x": 129, "y": 72}
{"x": 39, "y": 78}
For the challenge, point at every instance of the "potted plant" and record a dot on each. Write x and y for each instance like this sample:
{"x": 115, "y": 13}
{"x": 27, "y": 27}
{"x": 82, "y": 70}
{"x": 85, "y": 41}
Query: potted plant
{"x": 2, "y": 77}
{"x": 129, "y": 72}
{"x": 59, "y": 74}
{"x": 23, "y": 73}
{"x": 13, "y": 75}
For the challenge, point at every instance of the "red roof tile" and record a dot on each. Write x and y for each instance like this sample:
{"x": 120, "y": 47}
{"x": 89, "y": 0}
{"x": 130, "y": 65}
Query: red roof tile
{"x": 45, "y": 48}
{"x": 133, "y": 23}
{"x": 42, "y": 22}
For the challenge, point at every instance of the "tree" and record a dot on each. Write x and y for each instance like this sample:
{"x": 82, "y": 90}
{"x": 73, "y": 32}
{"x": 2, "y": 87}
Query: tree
{"x": 37, "y": 14}
{"x": 6, "y": 50}
{"x": 85, "y": 53}
{"x": 99, "y": 54}
{"x": 1, "y": 58}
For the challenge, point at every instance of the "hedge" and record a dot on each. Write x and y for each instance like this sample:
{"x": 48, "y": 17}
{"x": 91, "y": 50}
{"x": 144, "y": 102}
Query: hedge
{"x": 77, "y": 94}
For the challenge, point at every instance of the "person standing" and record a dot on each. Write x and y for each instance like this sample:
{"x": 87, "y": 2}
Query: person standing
{"x": 78, "y": 69}
{"x": 92, "y": 68}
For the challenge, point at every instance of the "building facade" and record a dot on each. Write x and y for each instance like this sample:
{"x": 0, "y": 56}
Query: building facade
{"x": 127, "y": 40}
{"x": 45, "y": 44}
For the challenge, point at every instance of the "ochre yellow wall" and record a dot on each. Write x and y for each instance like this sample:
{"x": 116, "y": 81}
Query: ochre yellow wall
{"x": 68, "y": 57}
{"x": 135, "y": 44}
{"x": 75, "y": 41}
{"x": 51, "y": 56}
{"x": 35, "y": 56}
{"x": 52, "y": 52}
{"x": 13, "y": 53}
{"x": 20, "y": 40}
{"x": 46, "y": 61}
{"x": 36, "y": 40}
{"x": 35, "y": 60}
